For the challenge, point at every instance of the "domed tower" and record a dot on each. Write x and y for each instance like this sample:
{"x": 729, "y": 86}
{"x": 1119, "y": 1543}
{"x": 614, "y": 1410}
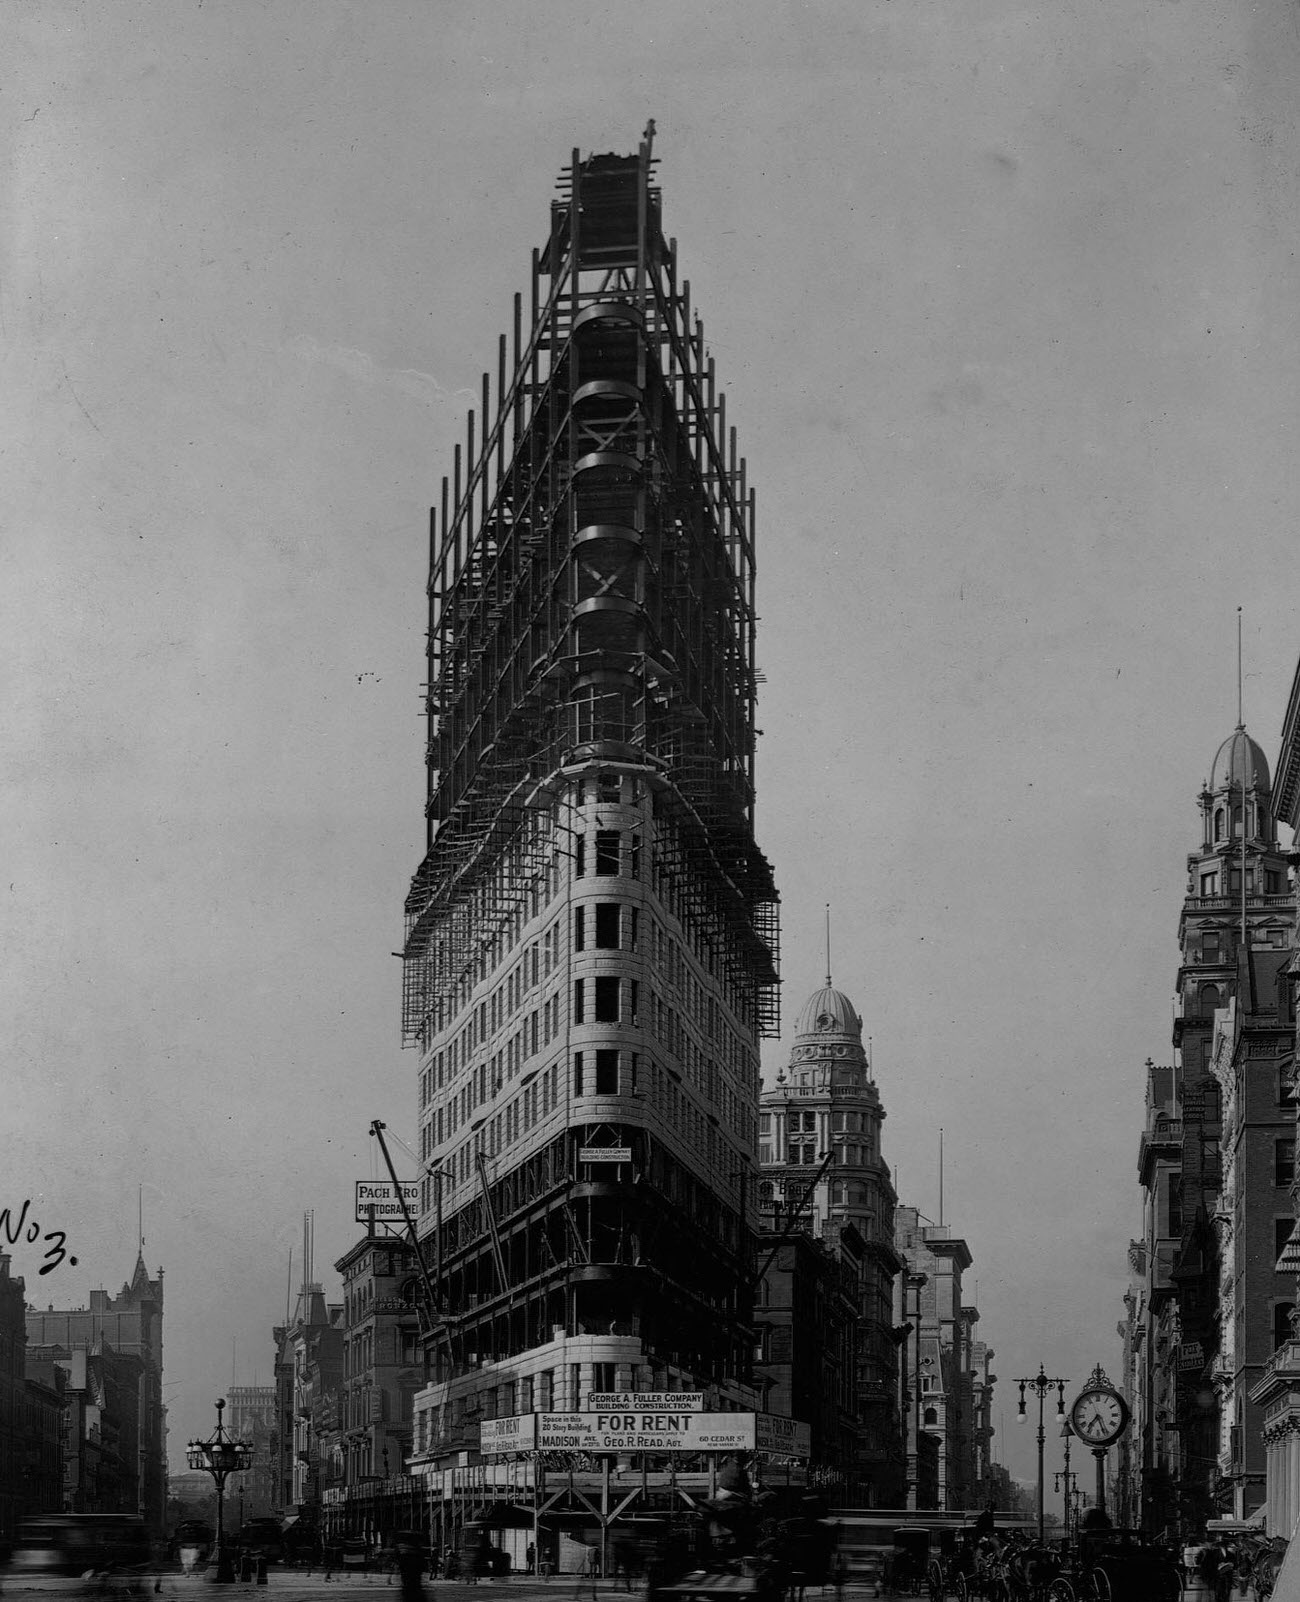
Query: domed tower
{"x": 1234, "y": 933}
{"x": 1236, "y": 889}
{"x": 821, "y": 1174}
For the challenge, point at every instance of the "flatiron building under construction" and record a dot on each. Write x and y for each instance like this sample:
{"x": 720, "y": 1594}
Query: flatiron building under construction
{"x": 592, "y": 937}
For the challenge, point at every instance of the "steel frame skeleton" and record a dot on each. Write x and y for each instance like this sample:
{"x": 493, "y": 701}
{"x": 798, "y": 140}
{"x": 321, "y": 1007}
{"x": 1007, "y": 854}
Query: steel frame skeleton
{"x": 592, "y": 574}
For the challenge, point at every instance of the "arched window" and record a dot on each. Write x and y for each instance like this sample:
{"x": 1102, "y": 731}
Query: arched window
{"x": 1208, "y": 1000}
{"x": 930, "y": 1416}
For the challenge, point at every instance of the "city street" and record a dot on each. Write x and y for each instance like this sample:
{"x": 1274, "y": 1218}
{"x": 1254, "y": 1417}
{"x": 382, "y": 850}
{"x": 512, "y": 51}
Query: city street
{"x": 289, "y": 1585}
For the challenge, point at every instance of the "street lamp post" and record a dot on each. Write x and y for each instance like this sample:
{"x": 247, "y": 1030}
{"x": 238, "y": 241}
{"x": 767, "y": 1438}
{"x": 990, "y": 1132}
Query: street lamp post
{"x": 916, "y": 1283}
{"x": 1041, "y": 1384}
{"x": 221, "y": 1456}
{"x": 1066, "y": 1482}
{"x": 1065, "y": 1477}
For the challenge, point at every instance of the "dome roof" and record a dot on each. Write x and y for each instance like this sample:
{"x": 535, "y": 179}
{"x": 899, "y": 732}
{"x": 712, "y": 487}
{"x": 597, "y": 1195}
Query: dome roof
{"x": 828, "y": 1012}
{"x": 1239, "y": 755}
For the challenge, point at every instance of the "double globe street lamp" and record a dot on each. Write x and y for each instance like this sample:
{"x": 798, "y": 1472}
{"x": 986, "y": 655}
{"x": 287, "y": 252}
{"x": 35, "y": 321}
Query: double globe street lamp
{"x": 1040, "y": 1384}
{"x": 221, "y": 1456}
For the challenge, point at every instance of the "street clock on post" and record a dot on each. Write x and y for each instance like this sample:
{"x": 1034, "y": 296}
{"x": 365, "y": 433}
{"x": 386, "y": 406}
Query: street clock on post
{"x": 1099, "y": 1415}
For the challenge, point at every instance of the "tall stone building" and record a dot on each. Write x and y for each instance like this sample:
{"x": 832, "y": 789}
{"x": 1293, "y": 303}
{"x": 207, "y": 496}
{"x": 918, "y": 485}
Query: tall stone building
{"x": 1216, "y": 1163}
{"x": 1276, "y": 1392}
{"x": 250, "y": 1417}
{"x": 308, "y": 1381}
{"x": 383, "y": 1370}
{"x": 826, "y": 1104}
{"x": 950, "y": 1397}
{"x": 113, "y": 1328}
{"x": 591, "y": 941}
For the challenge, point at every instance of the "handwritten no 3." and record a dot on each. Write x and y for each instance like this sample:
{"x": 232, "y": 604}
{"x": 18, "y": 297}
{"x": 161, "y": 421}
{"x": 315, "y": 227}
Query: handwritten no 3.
{"x": 13, "y": 1230}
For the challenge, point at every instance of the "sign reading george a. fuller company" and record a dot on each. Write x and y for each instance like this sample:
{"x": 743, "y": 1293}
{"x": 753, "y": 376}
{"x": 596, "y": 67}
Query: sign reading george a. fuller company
{"x": 645, "y": 1402}
{"x": 377, "y": 1196}
{"x": 645, "y": 1429}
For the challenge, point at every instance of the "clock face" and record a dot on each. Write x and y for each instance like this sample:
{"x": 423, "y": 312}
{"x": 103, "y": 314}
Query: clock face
{"x": 1098, "y": 1417}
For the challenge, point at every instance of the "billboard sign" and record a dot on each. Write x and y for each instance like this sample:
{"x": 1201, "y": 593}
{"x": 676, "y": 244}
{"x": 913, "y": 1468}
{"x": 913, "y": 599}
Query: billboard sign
{"x": 517, "y": 1434}
{"x": 379, "y": 1195}
{"x": 645, "y": 1430}
{"x": 783, "y": 1437}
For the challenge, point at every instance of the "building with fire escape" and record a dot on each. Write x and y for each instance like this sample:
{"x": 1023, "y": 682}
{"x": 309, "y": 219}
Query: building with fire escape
{"x": 591, "y": 938}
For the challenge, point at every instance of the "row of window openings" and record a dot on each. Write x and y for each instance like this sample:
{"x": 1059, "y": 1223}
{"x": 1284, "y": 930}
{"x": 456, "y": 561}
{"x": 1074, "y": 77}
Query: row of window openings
{"x": 608, "y": 858}
{"x": 1272, "y": 881}
{"x": 614, "y": 1001}
{"x": 613, "y": 926}
{"x": 841, "y": 1122}
{"x": 806, "y": 1153}
{"x": 598, "y": 1073}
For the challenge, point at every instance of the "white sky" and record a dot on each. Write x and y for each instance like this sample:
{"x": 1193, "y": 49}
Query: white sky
{"x": 1004, "y": 296}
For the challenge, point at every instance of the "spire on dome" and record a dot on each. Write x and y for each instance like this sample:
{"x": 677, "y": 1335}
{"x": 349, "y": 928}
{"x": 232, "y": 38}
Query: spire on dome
{"x": 828, "y": 945}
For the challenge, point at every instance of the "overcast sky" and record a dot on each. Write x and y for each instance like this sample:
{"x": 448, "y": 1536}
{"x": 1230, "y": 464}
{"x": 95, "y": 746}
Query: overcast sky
{"x": 1004, "y": 297}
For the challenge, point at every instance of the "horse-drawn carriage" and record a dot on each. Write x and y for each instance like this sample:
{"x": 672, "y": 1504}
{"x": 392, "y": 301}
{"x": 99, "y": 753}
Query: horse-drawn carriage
{"x": 1117, "y": 1566}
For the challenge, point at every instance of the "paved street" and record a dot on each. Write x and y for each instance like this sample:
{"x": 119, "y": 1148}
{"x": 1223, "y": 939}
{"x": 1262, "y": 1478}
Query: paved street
{"x": 289, "y": 1585}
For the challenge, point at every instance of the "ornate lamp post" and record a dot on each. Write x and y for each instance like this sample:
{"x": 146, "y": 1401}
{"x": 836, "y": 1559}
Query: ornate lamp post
{"x": 1040, "y": 1384}
{"x": 1067, "y": 1483}
{"x": 221, "y": 1456}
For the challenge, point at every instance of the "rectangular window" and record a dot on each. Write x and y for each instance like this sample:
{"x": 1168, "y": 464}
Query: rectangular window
{"x": 580, "y": 856}
{"x": 608, "y": 789}
{"x": 634, "y": 866}
{"x": 634, "y": 999}
{"x": 602, "y": 1376}
{"x": 632, "y": 937}
{"x": 634, "y": 1070}
{"x": 580, "y": 928}
{"x": 1272, "y": 882}
{"x": 577, "y": 1073}
{"x": 607, "y": 923}
{"x": 1282, "y": 1228}
{"x": 579, "y": 1000}
{"x": 606, "y": 1000}
{"x": 1284, "y": 1161}
{"x": 1282, "y": 1323}
{"x": 1209, "y": 884}
{"x": 526, "y": 1395}
{"x": 546, "y": 1391}
{"x": 606, "y": 1073}
{"x": 607, "y": 852}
